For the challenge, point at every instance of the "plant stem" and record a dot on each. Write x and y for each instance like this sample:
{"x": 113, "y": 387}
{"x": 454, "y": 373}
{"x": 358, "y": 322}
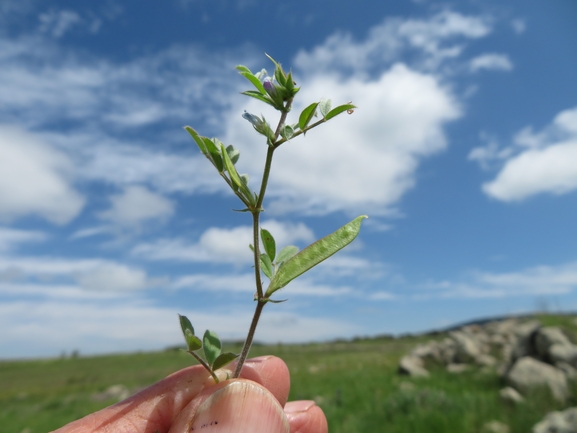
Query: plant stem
{"x": 245, "y": 349}
{"x": 261, "y": 301}
{"x": 205, "y": 365}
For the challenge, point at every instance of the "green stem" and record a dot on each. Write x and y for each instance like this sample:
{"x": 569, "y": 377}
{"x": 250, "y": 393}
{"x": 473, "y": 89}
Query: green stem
{"x": 246, "y": 348}
{"x": 261, "y": 301}
{"x": 205, "y": 365}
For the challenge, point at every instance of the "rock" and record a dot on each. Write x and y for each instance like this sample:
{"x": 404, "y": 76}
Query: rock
{"x": 412, "y": 366}
{"x": 485, "y": 360}
{"x": 558, "y": 422}
{"x": 495, "y": 427}
{"x": 528, "y": 373}
{"x": 569, "y": 370}
{"x": 547, "y": 337}
{"x": 524, "y": 340}
{"x": 457, "y": 368}
{"x": 566, "y": 353}
{"x": 510, "y": 395}
{"x": 430, "y": 350}
{"x": 467, "y": 349}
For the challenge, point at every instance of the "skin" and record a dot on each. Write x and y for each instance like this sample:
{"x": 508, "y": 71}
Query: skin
{"x": 189, "y": 401}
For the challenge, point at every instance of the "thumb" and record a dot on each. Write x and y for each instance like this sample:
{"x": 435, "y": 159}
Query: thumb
{"x": 235, "y": 406}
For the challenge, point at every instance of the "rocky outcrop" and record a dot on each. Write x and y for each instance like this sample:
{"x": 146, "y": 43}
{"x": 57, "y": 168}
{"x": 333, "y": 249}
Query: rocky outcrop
{"x": 526, "y": 354}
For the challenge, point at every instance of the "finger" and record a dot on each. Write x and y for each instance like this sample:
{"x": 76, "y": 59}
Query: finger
{"x": 306, "y": 417}
{"x": 235, "y": 406}
{"x": 150, "y": 410}
{"x": 271, "y": 372}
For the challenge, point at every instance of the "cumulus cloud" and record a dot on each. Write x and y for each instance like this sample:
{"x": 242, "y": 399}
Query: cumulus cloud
{"x": 542, "y": 162}
{"x": 221, "y": 245}
{"x": 135, "y": 205}
{"x": 36, "y": 179}
{"x": 362, "y": 162}
{"x": 491, "y": 61}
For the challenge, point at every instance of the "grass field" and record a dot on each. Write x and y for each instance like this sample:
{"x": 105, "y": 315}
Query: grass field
{"x": 355, "y": 383}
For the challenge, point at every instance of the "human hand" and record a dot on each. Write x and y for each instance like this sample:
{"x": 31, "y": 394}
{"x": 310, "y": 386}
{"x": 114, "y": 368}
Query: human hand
{"x": 189, "y": 401}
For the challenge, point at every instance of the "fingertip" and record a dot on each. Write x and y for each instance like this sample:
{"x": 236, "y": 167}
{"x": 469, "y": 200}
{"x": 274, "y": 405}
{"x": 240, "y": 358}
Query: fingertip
{"x": 272, "y": 373}
{"x": 306, "y": 417}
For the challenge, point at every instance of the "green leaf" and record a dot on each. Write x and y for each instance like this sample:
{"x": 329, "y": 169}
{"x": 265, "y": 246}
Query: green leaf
{"x": 224, "y": 359}
{"x": 286, "y": 253}
{"x": 233, "y": 153}
{"x": 197, "y": 138}
{"x": 268, "y": 243}
{"x": 213, "y": 154}
{"x": 257, "y": 95}
{"x": 211, "y": 346}
{"x": 185, "y": 324}
{"x": 314, "y": 254}
{"x": 287, "y": 132}
{"x": 266, "y": 266}
{"x": 325, "y": 106}
{"x": 254, "y": 80}
{"x": 338, "y": 110}
{"x": 230, "y": 167}
{"x": 278, "y": 72}
{"x": 307, "y": 114}
{"x": 192, "y": 341}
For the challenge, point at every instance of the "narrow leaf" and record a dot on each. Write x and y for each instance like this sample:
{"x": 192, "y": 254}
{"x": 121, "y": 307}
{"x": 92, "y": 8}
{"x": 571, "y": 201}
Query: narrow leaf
{"x": 254, "y": 80}
{"x": 257, "y": 95}
{"x": 266, "y": 266}
{"x": 211, "y": 346}
{"x": 286, "y": 253}
{"x": 338, "y": 110}
{"x": 224, "y": 359}
{"x": 213, "y": 154}
{"x": 268, "y": 243}
{"x": 233, "y": 153}
{"x": 307, "y": 114}
{"x": 197, "y": 139}
{"x": 315, "y": 254}
{"x": 325, "y": 106}
{"x": 230, "y": 167}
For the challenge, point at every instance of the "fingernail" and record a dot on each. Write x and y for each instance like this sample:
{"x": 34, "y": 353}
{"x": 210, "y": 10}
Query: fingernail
{"x": 239, "y": 407}
{"x": 294, "y": 407}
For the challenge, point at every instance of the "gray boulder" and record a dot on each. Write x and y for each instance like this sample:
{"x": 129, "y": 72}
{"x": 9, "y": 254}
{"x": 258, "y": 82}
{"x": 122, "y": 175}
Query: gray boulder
{"x": 467, "y": 348}
{"x": 558, "y": 422}
{"x": 412, "y": 366}
{"x": 528, "y": 373}
{"x": 547, "y": 337}
{"x": 566, "y": 353}
{"x": 510, "y": 395}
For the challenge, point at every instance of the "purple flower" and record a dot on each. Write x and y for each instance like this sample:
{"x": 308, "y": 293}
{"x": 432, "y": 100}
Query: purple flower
{"x": 269, "y": 86}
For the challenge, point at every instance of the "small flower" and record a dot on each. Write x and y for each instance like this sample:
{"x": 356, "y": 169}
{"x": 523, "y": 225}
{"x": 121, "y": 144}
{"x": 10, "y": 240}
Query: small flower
{"x": 269, "y": 86}
{"x": 254, "y": 120}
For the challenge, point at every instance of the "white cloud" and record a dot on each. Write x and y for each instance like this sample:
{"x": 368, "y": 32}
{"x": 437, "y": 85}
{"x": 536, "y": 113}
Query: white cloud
{"x": 113, "y": 277}
{"x": 536, "y": 163}
{"x": 491, "y": 61}
{"x": 136, "y": 205}
{"x": 58, "y": 22}
{"x": 519, "y": 25}
{"x": 220, "y": 245}
{"x": 89, "y": 274}
{"x": 434, "y": 38}
{"x": 538, "y": 280}
{"x": 10, "y": 237}
{"x": 36, "y": 179}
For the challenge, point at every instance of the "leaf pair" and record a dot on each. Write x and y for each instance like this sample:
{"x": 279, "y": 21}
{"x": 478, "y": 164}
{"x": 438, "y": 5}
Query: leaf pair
{"x": 211, "y": 345}
{"x": 224, "y": 159}
{"x": 325, "y": 108}
{"x": 269, "y": 261}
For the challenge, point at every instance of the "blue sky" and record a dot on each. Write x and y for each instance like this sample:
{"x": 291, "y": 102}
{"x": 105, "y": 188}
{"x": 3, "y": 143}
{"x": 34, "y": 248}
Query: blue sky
{"x": 463, "y": 152}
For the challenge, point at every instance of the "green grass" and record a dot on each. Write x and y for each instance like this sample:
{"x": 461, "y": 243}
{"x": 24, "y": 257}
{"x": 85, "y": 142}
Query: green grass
{"x": 356, "y": 383}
